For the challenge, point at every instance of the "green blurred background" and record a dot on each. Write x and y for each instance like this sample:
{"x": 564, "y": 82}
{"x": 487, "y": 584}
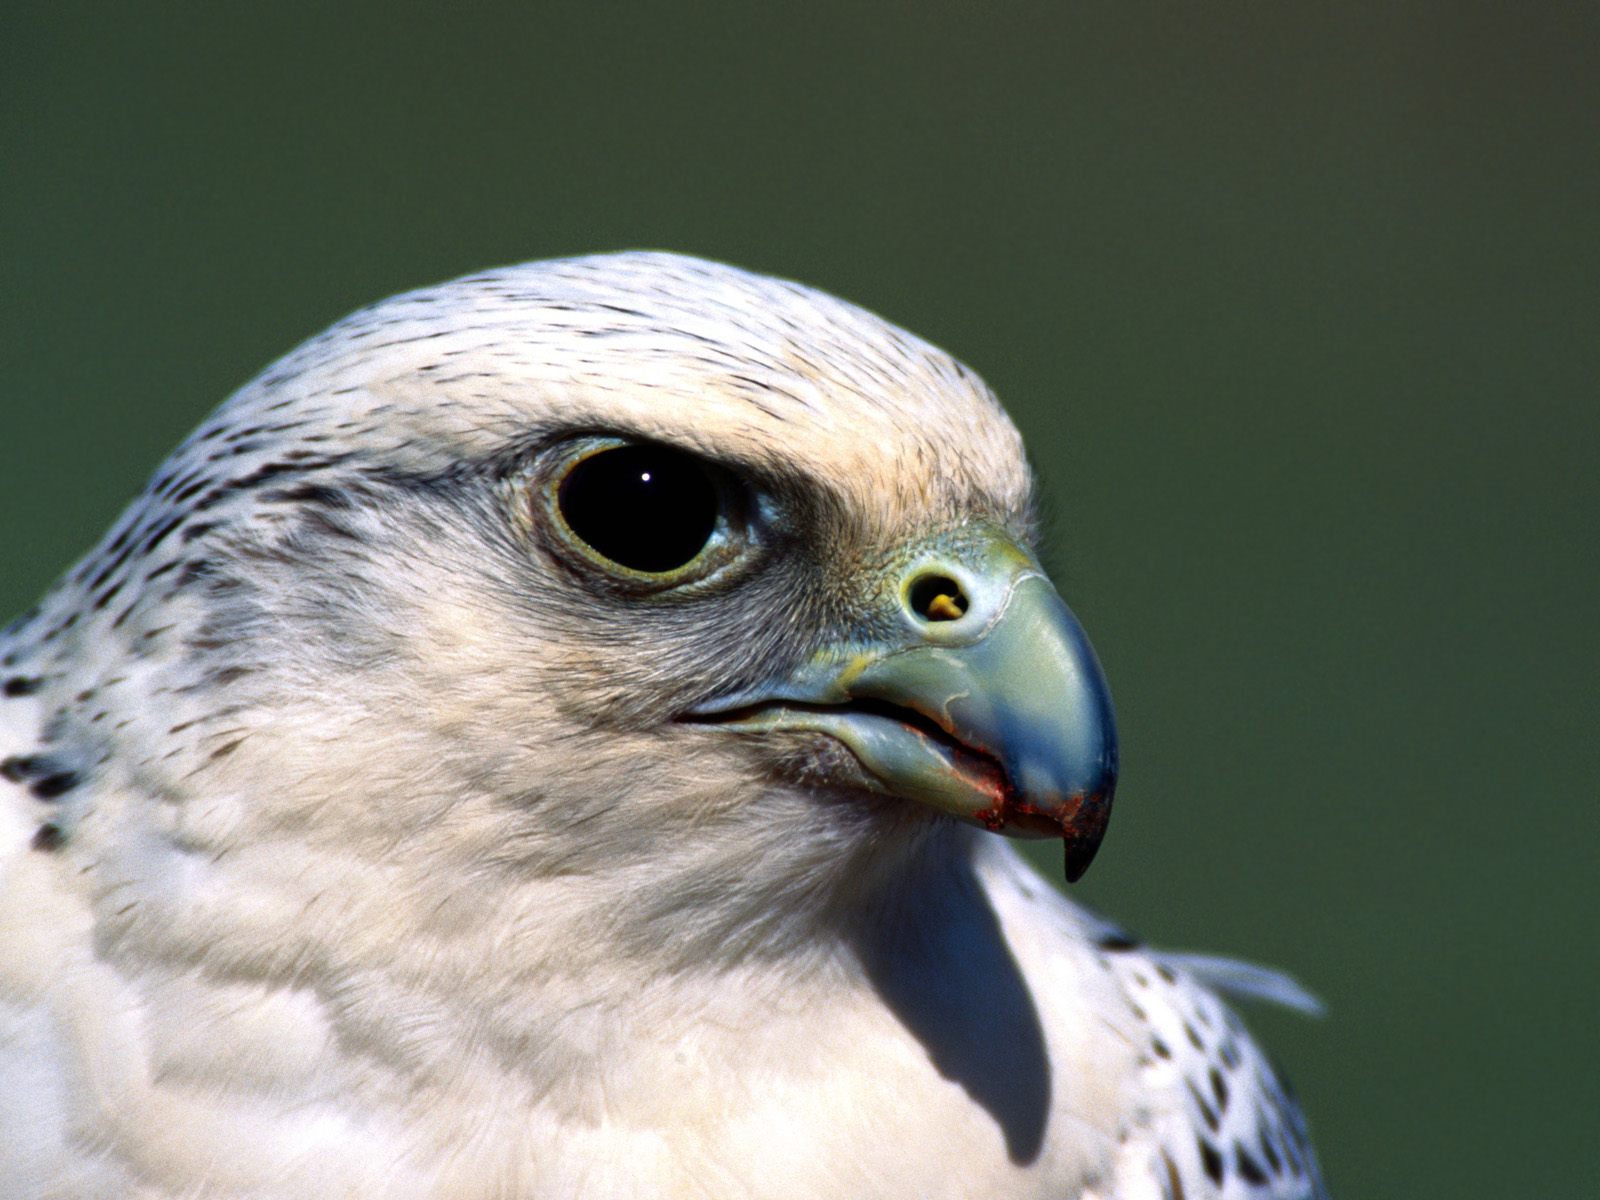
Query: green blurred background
{"x": 1296, "y": 305}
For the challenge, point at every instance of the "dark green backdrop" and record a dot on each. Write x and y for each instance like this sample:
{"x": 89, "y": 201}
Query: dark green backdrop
{"x": 1297, "y": 306}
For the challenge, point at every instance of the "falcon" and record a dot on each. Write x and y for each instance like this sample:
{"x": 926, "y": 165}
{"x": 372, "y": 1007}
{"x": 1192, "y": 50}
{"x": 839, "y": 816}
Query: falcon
{"x": 547, "y": 737}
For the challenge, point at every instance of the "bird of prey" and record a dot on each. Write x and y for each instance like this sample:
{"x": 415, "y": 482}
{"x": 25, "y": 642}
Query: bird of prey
{"x": 546, "y": 737}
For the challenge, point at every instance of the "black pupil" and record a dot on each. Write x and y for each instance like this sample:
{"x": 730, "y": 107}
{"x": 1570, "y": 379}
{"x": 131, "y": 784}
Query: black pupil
{"x": 645, "y": 507}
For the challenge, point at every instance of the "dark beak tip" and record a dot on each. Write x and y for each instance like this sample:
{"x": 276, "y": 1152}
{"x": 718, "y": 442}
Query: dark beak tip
{"x": 1084, "y": 829}
{"x": 1080, "y": 853}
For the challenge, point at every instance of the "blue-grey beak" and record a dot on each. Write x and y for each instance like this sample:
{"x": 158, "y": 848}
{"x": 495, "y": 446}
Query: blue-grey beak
{"x": 980, "y": 695}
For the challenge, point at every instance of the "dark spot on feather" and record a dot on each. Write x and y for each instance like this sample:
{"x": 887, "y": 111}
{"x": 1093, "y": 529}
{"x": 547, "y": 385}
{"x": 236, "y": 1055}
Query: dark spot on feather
{"x": 161, "y": 533}
{"x": 17, "y": 768}
{"x": 47, "y": 837}
{"x": 311, "y": 493}
{"x": 61, "y": 627}
{"x": 1174, "y": 1187}
{"x": 126, "y": 613}
{"x": 1219, "y": 1087}
{"x": 52, "y": 786}
{"x": 1211, "y": 1159}
{"x": 193, "y": 489}
{"x": 1207, "y": 1113}
{"x": 121, "y": 540}
{"x": 1268, "y": 1150}
{"x": 22, "y": 685}
{"x": 1248, "y": 1167}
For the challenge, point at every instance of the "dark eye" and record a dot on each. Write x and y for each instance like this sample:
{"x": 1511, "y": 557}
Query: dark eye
{"x": 646, "y": 508}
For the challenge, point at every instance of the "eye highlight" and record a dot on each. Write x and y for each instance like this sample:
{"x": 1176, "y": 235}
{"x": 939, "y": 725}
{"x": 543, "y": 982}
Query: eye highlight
{"x": 648, "y": 509}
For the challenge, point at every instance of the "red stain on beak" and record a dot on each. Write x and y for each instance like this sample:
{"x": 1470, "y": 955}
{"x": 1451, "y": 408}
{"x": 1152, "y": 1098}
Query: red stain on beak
{"x": 1079, "y": 821}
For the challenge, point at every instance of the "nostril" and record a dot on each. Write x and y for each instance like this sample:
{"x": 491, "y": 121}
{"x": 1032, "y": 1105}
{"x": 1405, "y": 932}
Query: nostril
{"x": 938, "y": 598}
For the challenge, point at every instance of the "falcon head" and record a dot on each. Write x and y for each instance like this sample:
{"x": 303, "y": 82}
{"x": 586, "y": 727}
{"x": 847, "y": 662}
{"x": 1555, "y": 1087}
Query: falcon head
{"x": 633, "y": 559}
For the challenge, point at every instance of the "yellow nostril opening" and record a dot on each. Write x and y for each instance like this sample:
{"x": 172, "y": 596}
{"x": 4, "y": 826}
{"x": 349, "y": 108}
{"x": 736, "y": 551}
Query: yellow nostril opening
{"x": 938, "y": 598}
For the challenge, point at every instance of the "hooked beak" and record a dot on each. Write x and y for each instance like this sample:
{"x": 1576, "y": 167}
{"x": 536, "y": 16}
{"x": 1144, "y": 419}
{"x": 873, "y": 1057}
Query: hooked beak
{"x": 981, "y": 697}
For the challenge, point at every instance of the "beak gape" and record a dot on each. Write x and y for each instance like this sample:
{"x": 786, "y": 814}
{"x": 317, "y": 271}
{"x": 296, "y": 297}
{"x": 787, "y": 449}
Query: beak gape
{"x": 987, "y": 703}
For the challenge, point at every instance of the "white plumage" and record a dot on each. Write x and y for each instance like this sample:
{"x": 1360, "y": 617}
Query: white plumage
{"x": 365, "y": 831}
